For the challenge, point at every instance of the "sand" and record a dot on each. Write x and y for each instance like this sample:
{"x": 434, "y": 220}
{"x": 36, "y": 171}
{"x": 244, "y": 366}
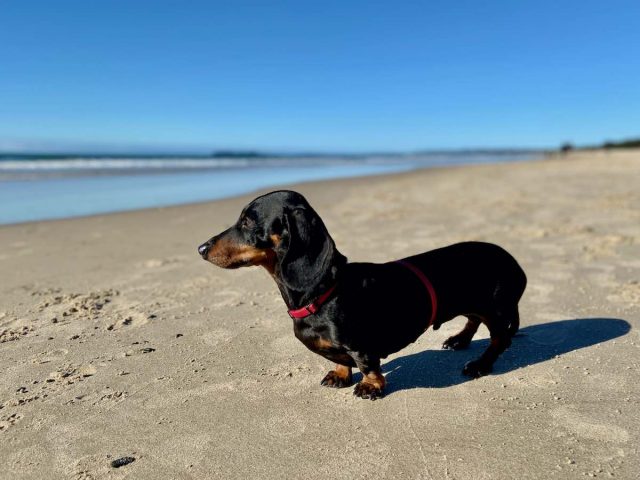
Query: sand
{"x": 117, "y": 340}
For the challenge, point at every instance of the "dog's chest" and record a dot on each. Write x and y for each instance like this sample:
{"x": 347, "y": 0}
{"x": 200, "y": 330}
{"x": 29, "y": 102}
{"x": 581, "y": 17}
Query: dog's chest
{"x": 311, "y": 335}
{"x": 316, "y": 339}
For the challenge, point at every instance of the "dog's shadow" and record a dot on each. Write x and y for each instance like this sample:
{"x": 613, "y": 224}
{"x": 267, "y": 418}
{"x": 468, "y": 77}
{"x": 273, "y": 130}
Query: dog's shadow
{"x": 532, "y": 344}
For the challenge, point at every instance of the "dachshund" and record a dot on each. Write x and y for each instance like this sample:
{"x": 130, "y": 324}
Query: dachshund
{"x": 355, "y": 314}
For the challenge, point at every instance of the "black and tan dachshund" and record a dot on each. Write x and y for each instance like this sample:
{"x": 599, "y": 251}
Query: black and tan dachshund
{"x": 355, "y": 314}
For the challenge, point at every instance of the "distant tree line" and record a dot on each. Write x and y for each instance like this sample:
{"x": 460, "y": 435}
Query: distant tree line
{"x": 632, "y": 143}
{"x": 629, "y": 143}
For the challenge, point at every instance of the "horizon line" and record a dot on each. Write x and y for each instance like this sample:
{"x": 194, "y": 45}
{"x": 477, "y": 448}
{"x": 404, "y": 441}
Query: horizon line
{"x": 230, "y": 152}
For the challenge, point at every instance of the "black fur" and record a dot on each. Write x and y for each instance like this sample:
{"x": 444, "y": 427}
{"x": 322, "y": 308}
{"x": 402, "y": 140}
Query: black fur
{"x": 376, "y": 309}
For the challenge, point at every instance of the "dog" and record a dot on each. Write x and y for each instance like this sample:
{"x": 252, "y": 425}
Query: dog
{"x": 355, "y": 314}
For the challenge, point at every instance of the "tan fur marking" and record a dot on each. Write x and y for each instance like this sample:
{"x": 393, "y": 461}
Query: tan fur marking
{"x": 275, "y": 239}
{"x": 343, "y": 372}
{"x": 374, "y": 378}
{"x": 323, "y": 344}
{"x": 227, "y": 254}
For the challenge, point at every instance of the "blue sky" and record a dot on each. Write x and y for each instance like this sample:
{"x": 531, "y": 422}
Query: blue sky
{"x": 309, "y": 75}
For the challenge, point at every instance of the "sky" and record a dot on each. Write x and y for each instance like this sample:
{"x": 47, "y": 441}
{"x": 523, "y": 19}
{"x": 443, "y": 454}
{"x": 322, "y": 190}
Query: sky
{"x": 316, "y": 76}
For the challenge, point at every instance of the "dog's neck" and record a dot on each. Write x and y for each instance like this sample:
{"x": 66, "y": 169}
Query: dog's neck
{"x": 304, "y": 294}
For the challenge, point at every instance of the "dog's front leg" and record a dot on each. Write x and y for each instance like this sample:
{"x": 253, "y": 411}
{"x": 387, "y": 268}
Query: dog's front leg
{"x": 372, "y": 384}
{"x": 338, "y": 378}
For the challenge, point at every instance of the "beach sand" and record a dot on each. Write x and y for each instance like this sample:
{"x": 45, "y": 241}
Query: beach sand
{"x": 118, "y": 340}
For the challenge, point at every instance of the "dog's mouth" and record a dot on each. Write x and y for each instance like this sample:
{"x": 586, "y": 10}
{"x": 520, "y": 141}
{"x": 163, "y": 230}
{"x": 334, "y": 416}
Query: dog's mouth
{"x": 232, "y": 264}
{"x": 224, "y": 261}
{"x": 230, "y": 255}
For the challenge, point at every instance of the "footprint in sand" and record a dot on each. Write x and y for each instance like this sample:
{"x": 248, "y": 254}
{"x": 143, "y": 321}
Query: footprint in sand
{"x": 70, "y": 374}
{"x": 586, "y": 427}
{"x": 226, "y": 298}
{"x": 50, "y": 356}
{"x": 155, "y": 263}
{"x": 216, "y": 337}
{"x": 130, "y": 320}
{"x": 538, "y": 378}
{"x": 193, "y": 286}
{"x": 628, "y": 293}
{"x": 61, "y": 379}
{"x": 13, "y": 333}
{"x": 605, "y": 246}
{"x": 8, "y": 421}
{"x": 92, "y": 467}
{"x": 111, "y": 397}
{"x": 139, "y": 350}
{"x": 71, "y": 306}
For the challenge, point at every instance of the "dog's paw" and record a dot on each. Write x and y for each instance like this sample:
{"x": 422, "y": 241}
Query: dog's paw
{"x": 476, "y": 369}
{"x": 332, "y": 379}
{"x": 368, "y": 391}
{"x": 453, "y": 343}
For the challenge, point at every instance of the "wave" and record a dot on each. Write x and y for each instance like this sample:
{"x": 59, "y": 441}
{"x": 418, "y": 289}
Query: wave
{"x": 106, "y": 164}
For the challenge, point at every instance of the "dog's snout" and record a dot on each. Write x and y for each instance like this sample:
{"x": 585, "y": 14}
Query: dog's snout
{"x": 204, "y": 249}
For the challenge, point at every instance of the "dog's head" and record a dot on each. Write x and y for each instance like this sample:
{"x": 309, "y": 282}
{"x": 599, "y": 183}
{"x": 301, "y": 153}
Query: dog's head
{"x": 281, "y": 232}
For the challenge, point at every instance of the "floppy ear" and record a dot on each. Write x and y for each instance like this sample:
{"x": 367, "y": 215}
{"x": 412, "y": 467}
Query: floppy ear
{"x": 306, "y": 250}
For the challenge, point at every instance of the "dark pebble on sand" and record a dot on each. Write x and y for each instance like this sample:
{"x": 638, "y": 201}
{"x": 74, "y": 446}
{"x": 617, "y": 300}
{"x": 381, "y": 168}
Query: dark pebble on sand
{"x": 122, "y": 461}
{"x": 148, "y": 350}
{"x": 178, "y": 335}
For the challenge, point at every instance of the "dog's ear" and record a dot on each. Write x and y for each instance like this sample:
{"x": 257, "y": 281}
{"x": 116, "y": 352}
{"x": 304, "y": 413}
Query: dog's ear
{"x": 306, "y": 251}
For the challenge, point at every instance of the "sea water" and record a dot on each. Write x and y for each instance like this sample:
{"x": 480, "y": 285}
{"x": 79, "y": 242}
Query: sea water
{"x": 44, "y": 188}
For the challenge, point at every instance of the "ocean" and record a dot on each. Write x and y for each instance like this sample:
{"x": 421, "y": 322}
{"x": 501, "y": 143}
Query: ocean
{"x": 49, "y": 187}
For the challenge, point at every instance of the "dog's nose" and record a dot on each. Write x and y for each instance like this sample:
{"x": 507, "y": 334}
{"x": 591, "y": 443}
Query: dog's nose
{"x": 204, "y": 249}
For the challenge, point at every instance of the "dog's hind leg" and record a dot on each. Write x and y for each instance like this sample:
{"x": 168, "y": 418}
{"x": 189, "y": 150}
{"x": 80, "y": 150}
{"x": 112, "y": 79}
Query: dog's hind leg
{"x": 499, "y": 329}
{"x": 463, "y": 338}
{"x": 514, "y": 323}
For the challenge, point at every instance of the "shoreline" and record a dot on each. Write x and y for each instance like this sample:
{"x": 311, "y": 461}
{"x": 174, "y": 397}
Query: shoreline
{"x": 554, "y": 156}
{"x": 117, "y": 340}
{"x": 217, "y": 178}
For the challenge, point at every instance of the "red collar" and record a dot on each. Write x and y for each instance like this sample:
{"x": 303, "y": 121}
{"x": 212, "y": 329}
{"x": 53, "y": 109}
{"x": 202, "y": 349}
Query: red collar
{"x": 423, "y": 278}
{"x": 313, "y": 307}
